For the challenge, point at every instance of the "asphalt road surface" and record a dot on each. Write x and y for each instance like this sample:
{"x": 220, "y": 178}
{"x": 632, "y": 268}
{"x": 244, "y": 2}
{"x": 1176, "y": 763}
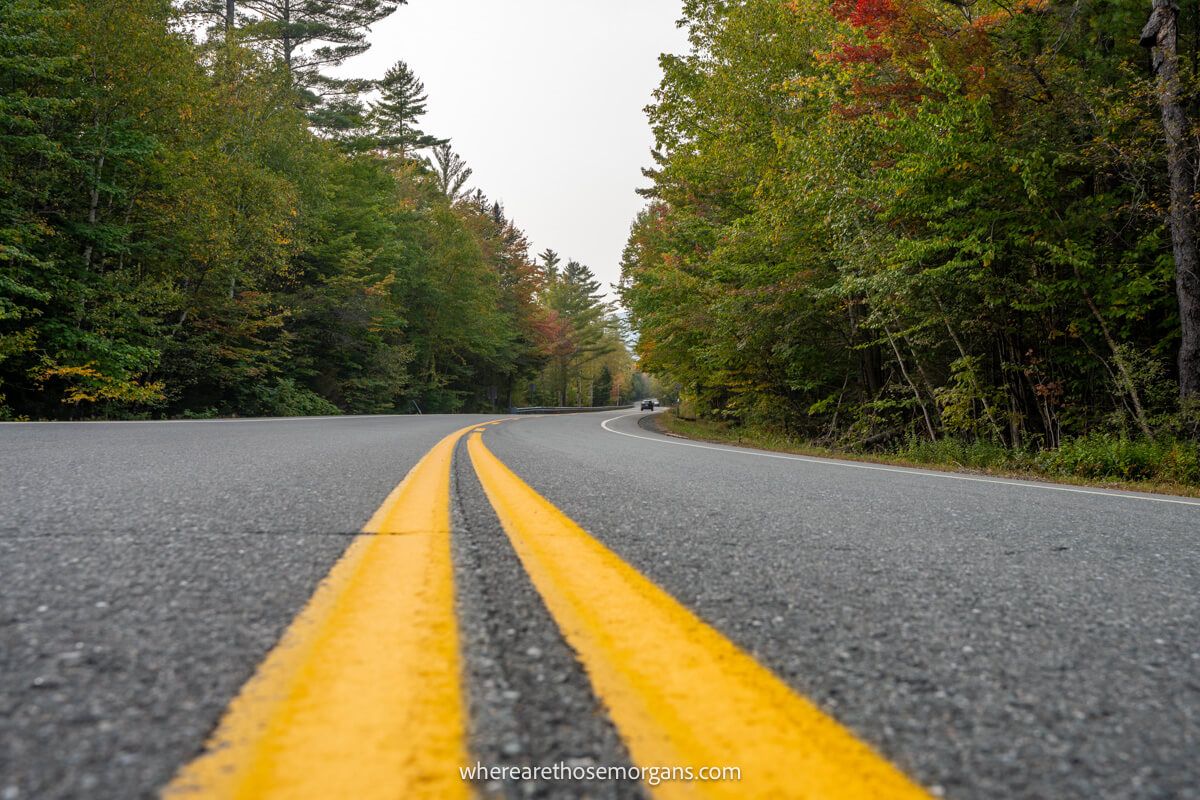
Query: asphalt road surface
{"x": 987, "y": 638}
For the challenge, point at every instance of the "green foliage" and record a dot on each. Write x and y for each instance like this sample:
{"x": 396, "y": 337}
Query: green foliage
{"x": 602, "y": 387}
{"x": 393, "y": 117}
{"x": 307, "y": 35}
{"x": 579, "y": 332}
{"x": 286, "y": 399}
{"x": 881, "y": 221}
{"x": 180, "y": 235}
{"x": 976, "y": 454}
{"x": 1118, "y": 458}
{"x": 1095, "y": 458}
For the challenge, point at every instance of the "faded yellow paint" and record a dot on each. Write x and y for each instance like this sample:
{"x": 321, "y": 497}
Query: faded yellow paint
{"x": 362, "y": 696}
{"x": 679, "y": 692}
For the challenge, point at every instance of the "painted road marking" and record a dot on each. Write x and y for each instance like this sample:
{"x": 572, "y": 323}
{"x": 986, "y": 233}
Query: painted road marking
{"x": 361, "y": 697}
{"x": 882, "y": 468}
{"x": 679, "y": 692}
{"x": 337, "y": 418}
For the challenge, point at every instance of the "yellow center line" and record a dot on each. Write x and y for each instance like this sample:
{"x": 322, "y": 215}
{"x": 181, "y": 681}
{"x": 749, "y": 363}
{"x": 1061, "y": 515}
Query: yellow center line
{"x": 679, "y": 692}
{"x": 362, "y": 696}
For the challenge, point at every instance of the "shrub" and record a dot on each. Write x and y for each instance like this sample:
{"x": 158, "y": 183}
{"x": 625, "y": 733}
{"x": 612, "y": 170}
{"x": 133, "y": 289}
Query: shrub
{"x": 287, "y": 399}
{"x": 1115, "y": 457}
{"x": 976, "y": 454}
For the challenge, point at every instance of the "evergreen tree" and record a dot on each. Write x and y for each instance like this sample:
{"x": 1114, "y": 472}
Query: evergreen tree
{"x": 393, "y": 117}
{"x": 450, "y": 172}
{"x": 550, "y": 262}
{"x": 309, "y": 35}
{"x": 602, "y": 387}
{"x": 583, "y": 288}
{"x": 573, "y": 295}
{"x": 174, "y": 239}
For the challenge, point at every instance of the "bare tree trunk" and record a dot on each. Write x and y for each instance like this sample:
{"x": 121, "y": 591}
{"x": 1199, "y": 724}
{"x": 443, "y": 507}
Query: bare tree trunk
{"x": 1160, "y": 34}
{"x": 1127, "y": 382}
{"x": 230, "y": 14}
{"x": 97, "y": 173}
{"x": 916, "y": 392}
{"x": 93, "y": 207}
{"x": 1008, "y": 355}
{"x": 962, "y": 351}
{"x": 924, "y": 377}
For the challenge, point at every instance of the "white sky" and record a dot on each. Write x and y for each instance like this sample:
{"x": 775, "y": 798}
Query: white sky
{"x": 544, "y": 99}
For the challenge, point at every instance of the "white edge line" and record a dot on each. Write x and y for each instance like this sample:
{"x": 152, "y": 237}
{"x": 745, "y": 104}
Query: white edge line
{"x": 902, "y": 470}
{"x": 223, "y": 419}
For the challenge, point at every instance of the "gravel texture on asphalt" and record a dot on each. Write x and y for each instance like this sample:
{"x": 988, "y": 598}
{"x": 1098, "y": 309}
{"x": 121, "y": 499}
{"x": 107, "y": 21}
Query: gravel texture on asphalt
{"x": 146, "y": 569}
{"x": 995, "y": 640}
{"x": 530, "y": 701}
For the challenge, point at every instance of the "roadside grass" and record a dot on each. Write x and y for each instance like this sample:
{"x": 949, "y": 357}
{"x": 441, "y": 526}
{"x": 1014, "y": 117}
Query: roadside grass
{"x": 1112, "y": 462}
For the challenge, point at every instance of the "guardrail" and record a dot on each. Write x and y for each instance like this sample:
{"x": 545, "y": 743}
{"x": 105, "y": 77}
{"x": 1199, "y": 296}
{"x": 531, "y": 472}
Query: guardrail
{"x": 564, "y": 409}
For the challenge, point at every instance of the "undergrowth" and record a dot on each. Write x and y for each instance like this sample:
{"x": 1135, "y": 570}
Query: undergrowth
{"x": 1164, "y": 463}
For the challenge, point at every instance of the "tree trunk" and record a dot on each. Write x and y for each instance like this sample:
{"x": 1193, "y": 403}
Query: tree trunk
{"x": 1126, "y": 382}
{"x": 962, "y": 352}
{"x": 230, "y": 9}
{"x": 93, "y": 207}
{"x": 287, "y": 36}
{"x": 916, "y": 392}
{"x": 1160, "y": 34}
{"x": 870, "y": 358}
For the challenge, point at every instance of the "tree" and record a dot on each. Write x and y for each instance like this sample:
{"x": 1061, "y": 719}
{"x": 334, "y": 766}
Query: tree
{"x": 176, "y": 239}
{"x": 1160, "y": 34}
{"x": 32, "y": 163}
{"x": 450, "y": 172}
{"x": 550, "y": 264}
{"x": 575, "y": 298}
{"x": 221, "y": 13}
{"x": 393, "y": 117}
{"x": 602, "y": 387}
{"x": 877, "y": 219}
{"x": 309, "y": 35}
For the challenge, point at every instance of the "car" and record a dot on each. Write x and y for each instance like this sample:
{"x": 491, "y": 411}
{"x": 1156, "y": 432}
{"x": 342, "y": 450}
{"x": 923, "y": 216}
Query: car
{"x": 647, "y": 405}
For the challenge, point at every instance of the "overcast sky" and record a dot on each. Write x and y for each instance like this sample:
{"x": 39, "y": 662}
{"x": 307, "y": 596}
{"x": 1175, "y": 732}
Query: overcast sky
{"x": 544, "y": 99}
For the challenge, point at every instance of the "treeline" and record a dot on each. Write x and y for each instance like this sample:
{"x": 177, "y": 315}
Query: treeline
{"x": 883, "y": 220}
{"x": 197, "y": 219}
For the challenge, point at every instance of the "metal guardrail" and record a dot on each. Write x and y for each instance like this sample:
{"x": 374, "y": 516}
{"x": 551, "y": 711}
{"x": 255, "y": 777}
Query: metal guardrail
{"x": 564, "y": 409}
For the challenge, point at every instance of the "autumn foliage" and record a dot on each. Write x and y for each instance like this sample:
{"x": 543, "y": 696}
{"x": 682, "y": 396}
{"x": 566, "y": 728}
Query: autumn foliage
{"x": 873, "y": 220}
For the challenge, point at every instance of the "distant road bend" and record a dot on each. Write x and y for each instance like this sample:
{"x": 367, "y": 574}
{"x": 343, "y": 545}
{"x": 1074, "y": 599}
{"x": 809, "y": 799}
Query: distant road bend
{"x": 370, "y": 607}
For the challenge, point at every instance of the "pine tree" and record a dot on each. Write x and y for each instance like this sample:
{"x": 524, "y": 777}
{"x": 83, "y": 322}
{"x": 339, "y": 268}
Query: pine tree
{"x": 341, "y": 117}
{"x": 338, "y": 28}
{"x": 602, "y": 387}
{"x": 307, "y": 36}
{"x": 550, "y": 262}
{"x": 450, "y": 172}
{"x": 574, "y": 296}
{"x": 394, "y": 115}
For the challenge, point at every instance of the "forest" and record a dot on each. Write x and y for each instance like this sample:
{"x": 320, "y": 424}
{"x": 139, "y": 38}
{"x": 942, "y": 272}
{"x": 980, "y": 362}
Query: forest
{"x": 962, "y": 225}
{"x": 197, "y": 218}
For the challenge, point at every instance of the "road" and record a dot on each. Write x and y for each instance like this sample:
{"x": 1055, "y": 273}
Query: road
{"x": 588, "y": 592}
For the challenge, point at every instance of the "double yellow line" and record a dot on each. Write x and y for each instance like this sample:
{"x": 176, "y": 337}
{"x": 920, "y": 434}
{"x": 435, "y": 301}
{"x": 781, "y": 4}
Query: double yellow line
{"x": 362, "y": 697}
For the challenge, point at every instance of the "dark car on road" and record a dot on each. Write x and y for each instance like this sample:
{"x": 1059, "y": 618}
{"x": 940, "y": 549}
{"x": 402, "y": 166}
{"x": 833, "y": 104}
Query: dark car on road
{"x": 647, "y": 405}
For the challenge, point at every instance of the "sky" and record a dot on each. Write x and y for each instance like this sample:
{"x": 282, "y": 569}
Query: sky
{"x": 544, "y": 99}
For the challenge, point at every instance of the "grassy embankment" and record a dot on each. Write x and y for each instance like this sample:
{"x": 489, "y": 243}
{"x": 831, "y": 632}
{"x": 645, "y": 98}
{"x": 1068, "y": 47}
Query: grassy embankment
{"x": 1146, "y": 465}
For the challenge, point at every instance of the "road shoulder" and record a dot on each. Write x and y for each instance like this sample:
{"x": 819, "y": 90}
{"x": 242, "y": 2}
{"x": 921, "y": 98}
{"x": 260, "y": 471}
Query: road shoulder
{"x": 667, "y": 424}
